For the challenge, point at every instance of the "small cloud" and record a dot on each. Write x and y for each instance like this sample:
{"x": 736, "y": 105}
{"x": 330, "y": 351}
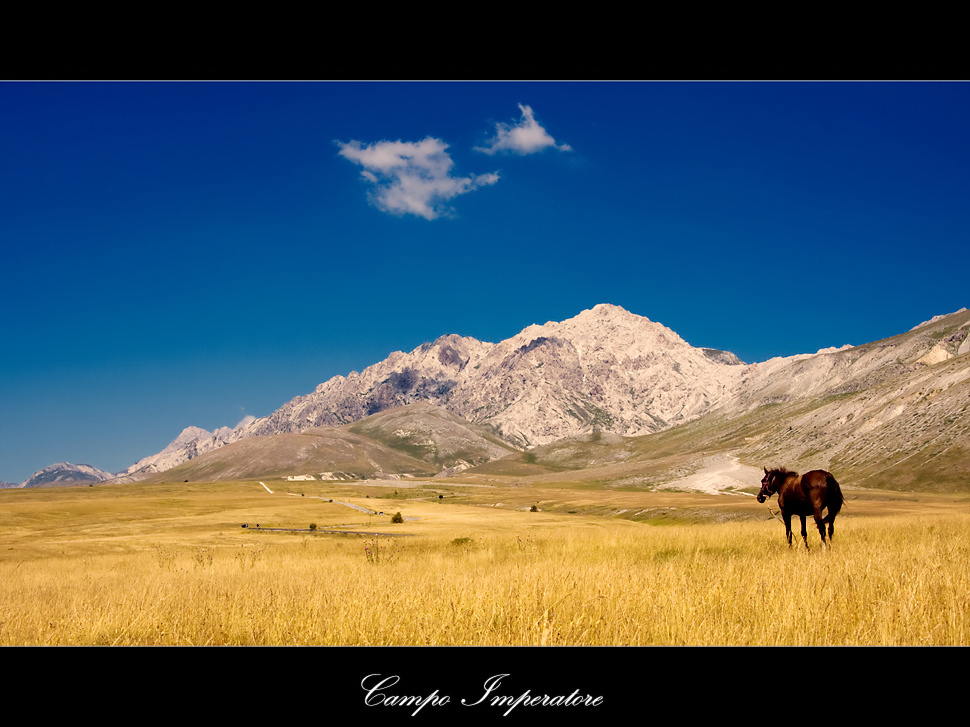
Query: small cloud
{"x": 525, "y": 137}
{"x": 411, "y": 177}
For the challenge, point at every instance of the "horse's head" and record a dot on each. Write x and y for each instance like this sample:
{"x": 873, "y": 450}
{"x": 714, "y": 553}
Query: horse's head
{"x": 768, "y": 485}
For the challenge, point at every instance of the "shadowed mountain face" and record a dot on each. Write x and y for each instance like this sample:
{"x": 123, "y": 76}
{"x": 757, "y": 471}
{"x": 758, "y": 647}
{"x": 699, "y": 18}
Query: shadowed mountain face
{"x": 607, "y": 378}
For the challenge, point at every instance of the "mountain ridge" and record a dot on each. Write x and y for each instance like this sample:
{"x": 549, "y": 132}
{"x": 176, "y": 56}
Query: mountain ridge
{"x": 603, "y": 371}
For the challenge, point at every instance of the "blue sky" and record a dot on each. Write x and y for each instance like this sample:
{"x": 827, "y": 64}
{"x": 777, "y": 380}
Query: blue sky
{"x": 180, "y": 254}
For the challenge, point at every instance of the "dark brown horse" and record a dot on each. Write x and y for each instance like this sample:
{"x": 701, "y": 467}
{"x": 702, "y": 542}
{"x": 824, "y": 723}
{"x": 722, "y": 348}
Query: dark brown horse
{"x": 803, "y": 495}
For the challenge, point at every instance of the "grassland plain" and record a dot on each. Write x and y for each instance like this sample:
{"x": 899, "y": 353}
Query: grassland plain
{"x": 170, "y": 564}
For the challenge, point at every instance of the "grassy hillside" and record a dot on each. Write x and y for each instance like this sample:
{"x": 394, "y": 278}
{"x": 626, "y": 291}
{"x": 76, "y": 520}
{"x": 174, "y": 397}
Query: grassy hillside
{"x": 329, "y": 451}
{"x": 415, "y": 440}
{"x": 434, "y": 435}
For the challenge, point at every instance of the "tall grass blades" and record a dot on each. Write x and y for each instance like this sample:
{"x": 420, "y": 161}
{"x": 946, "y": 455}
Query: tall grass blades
{"x": 886, "y": 581}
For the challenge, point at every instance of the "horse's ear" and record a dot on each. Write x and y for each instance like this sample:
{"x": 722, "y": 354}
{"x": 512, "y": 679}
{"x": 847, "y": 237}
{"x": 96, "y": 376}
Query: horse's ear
{"x": 765, "y": 469}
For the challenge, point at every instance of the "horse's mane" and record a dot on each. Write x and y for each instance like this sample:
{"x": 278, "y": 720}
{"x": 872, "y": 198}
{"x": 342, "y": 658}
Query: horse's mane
{"x": 778, "y": 478}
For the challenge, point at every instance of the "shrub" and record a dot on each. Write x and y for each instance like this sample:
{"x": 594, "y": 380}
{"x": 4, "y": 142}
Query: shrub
{"x": 313, "y": 527}
{"x": 397, "y": 518}
{"x": 534, "y": 508}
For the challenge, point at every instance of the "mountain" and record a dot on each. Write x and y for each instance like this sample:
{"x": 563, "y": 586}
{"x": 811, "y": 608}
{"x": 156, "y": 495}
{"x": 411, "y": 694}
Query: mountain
{"x": 603, "y": 369}
{"x": 893, "y": 413}
{"x": 63, "y": 474}
{"x": 890, "y": 414}
{"x": 584, "y": 393}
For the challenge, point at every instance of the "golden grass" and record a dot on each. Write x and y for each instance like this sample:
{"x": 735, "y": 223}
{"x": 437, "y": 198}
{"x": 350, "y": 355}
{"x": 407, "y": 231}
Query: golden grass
{"x": 98, "y": 566}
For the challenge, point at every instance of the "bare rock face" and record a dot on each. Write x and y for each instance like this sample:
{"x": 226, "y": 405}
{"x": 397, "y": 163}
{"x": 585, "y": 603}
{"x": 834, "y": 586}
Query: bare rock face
{"x": 606, "y": 369}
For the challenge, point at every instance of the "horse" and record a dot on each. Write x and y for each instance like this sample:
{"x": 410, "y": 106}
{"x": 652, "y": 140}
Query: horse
{"x": 803, "y": 495}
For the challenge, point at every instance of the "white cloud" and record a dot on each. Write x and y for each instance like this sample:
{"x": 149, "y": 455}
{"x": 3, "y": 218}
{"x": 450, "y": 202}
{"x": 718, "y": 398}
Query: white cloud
{"x": 525, "y": 137}
{"x": 411, "y": 177}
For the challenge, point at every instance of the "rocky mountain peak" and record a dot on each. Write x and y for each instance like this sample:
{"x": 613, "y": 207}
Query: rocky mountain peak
{"x": 603, "y": 369}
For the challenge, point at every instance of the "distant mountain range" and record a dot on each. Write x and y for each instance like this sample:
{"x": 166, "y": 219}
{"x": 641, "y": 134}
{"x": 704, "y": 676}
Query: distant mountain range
{"x": 609, "y": 376}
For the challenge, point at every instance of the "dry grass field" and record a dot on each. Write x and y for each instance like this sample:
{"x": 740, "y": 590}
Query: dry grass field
{"x": 171, "y": 564}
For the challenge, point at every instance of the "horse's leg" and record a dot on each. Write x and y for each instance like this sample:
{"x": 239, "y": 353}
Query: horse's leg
{"x": 820, "y": 523}
{"x": 804, "y": 531}
{"x": 787, "y": 519}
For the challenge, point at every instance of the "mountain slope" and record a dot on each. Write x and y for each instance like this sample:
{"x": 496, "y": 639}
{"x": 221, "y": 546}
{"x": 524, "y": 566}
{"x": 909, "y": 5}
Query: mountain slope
{"x": 853, "y": 369}
{"x": 908, "y": 429}
{"x": 434, "y": 435}
{"x": 322, "y": 453}
{"x": 893, "y": 413}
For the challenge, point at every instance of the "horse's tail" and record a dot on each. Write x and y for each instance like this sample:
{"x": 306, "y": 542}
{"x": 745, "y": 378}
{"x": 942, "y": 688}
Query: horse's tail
{"x": 835, "y": 498}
